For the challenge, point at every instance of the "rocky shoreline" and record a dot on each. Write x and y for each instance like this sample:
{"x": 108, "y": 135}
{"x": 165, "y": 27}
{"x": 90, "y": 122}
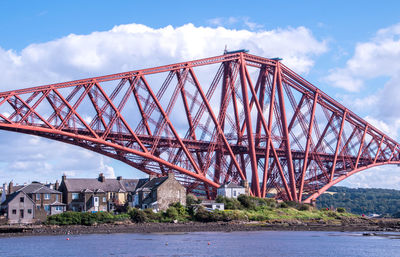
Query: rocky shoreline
{"x": 364, "y": 225}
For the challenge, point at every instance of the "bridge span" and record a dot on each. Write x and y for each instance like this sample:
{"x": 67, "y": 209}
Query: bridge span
{"x": 226, "y": 118}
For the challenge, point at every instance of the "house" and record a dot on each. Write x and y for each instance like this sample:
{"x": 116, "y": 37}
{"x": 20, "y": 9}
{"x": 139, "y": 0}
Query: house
{"x": 233, "y": 190}
{"x": 47, "y": 201}
{"x": 159, "y": 193}
{"x": 19, "y": 208}
{"x": 212, "y": 205}
{"x": 97, "y": 194}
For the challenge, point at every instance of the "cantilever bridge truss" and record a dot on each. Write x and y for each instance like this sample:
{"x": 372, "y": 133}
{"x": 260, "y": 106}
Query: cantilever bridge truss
{"x": 227, "y": 118}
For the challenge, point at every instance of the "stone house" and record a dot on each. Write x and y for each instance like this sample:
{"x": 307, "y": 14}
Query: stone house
{"x": 159, "y": 193}
{"x": 97, "y": 194}
{"x": 19, "y": 208}
{"x": 232, "y": 190}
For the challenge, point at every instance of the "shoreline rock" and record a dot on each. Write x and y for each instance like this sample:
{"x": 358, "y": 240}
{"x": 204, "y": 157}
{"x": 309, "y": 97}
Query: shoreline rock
{"x": 350, "y": 225}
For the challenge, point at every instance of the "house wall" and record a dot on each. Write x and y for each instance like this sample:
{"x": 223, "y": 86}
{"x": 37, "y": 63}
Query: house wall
{"x": 102, "y": 205}
{"x": 171, "y": 191}
{"x": 19, "y": 206}
{"x": 54, "y": 210}
{"x": 117, "y": 197}
{"x": 44, "y": 204}
{"x": 85, "y": 202}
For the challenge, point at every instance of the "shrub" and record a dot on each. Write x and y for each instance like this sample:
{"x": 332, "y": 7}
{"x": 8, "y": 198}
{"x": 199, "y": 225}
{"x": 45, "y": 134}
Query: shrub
{"x": 230, "y": 203}
{"x": 192, "y": 200}
{"x": 304, "y": 207}
{"x": 66, "y": 218}
{"x": 283, "y": 205}
{"x": 203, "y": 215}
{"x": 341, "y": 210}
{"x": 84, "y": 218}
{"x": 182, "y": 212}
{"x": 152, "y": 216}
{"x": 171, "y": 214}
{"x": 137, "y": 215}
{"x": 247, "y": 202}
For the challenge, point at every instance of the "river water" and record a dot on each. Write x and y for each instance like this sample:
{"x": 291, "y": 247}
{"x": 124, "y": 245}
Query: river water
{"x": 263, "y": 243}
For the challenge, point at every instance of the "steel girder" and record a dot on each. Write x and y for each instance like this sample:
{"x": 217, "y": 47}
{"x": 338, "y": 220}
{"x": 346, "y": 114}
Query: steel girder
{"x": 227, "y": 118}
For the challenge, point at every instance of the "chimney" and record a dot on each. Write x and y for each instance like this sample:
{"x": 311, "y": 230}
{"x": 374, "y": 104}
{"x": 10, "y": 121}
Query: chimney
{"x": 56, "y": 185}
{"x": 63, "y": 178}
{"x": 244, "y": 183}
{"x": 101, "y": 177}
{"x": 119, "y": 178}
{"x": 10, "y": 188}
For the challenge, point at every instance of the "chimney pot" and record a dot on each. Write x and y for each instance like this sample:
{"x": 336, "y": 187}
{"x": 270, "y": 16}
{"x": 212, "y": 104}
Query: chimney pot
{"x": 10, "y": 188}
{"x": 119, "y": 178}
{"x": 102, "y": 178}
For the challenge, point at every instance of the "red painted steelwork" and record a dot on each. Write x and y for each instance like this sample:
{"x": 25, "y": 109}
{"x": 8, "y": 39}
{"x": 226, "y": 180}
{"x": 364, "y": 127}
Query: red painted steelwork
{"x": 231, "y": 117}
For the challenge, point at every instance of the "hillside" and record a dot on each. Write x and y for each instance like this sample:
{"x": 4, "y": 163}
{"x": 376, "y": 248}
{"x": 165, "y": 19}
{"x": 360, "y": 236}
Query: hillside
{"x": 362, "y": 200}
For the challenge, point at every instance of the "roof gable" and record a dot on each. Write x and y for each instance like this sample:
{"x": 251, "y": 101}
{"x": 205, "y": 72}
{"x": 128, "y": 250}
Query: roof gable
{"x": 15, "y": 195}
{"x": 153, "y": 183}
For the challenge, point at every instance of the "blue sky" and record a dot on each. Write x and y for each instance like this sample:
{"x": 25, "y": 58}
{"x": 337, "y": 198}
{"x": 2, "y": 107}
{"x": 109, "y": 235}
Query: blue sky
{"x": 349, "y": 49}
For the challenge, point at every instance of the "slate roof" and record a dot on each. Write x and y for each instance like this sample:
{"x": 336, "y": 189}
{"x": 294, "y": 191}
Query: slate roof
{"x": 109, "y": 185}
{"x": 38, "y": 188}
{"x": 153, "y": 184}
{"x": 132, "y": 184}
{"x": 17, "y": 188}
{"x": 230, "y": 184}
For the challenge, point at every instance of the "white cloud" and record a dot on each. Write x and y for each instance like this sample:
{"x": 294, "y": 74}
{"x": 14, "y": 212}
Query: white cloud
{"x": 125, "y": 47}
{"x": 134, "y": 46}
{"x": 375, "y": 58}
{"x": 107, "y": 170}
{"x": 230, "y": 21}
{"x": 378, "y": 177}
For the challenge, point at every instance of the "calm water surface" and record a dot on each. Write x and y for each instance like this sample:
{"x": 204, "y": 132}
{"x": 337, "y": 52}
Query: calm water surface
{"x": 263, "y": 243}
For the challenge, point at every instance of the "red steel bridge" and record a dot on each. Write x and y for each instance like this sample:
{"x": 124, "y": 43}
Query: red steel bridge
{"x": 232, "y": 117}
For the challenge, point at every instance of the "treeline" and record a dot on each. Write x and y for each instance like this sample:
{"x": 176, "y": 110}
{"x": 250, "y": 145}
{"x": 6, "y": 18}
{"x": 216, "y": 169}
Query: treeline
{"x": 362, "y": 200}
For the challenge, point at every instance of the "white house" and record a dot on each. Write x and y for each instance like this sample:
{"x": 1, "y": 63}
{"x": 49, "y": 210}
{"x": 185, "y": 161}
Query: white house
{"x": 212, "y": 205}
{"x": 231, "y": 190}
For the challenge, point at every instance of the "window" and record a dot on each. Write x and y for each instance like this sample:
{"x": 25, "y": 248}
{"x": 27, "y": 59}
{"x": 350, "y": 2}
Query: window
{"x": 47, "y": 208}
{"x": 46, "y": 196}
{"x": 14, "y": 211}
{"x": 21, "y": 213}
{"x": 75, "y": 196}
{"x": 57, "y": 196}
{"x": 104, "y": 199}
{"x": 59, "y": 208}
{"x": 37, "y": 197}
{"x": 38, "y": 207}
{"x": 29, "y": 211}
{"x": 234, "y": 192}
{"x": 21, "y": 199}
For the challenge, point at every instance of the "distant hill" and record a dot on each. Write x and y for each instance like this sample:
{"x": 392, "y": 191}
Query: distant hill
{"x": 362, "y": 200}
